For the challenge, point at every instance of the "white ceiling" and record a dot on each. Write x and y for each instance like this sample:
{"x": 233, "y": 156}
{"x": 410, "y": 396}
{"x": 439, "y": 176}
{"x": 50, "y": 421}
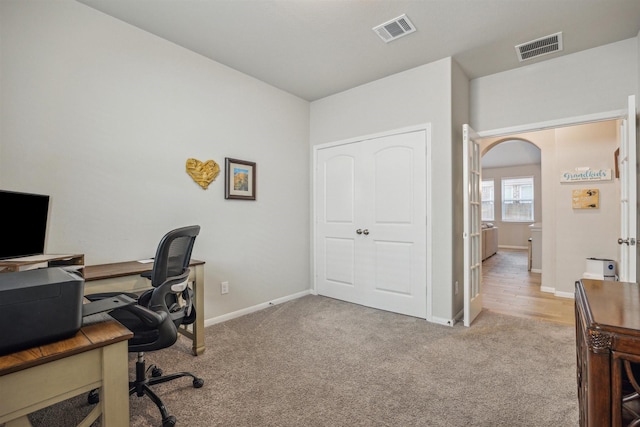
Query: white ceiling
{"x": 315, "y": 48}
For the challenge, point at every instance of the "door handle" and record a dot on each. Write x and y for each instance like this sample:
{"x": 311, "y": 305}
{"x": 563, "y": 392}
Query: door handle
{"x": 365, "y": 232}
{"x": 630, "y": 241}
{"x": 358, "y": 231}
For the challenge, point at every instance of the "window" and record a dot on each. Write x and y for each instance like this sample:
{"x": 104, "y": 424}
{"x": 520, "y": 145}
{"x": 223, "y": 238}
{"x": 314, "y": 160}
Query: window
{"x": 517, "y": 199}
{"x": 487, "y": 200}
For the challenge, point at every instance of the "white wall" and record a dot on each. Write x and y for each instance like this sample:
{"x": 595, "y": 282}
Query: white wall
{"x": 460, "y": 116}
{"x": 102, "y": 116}
{"x": 514, "y": 234}
{"x": 592, "y": 81}
{"x": 584, "y": 233}
{"x": 417, "y": 96}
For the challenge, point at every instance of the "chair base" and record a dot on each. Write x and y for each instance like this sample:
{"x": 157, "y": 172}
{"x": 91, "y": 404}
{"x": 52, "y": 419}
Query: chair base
{"x": 141, "y": 387}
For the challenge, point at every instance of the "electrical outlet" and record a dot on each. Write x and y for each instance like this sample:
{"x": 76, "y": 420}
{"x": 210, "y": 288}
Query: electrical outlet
{"x": 224, "y": 288}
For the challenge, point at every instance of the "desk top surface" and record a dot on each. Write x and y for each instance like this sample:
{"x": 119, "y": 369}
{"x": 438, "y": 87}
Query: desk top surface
{"x": 98, "y": 331}
{"x": 120, "y": 269}
{"x": 35, "y": 259}
{"x": 612, "y": 306}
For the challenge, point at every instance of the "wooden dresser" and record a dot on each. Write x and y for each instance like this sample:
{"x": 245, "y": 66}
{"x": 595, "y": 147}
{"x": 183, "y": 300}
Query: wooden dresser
{"x": 608, "y": 352}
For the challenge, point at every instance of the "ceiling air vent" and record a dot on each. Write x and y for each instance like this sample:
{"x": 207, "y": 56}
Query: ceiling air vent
{"x": 394, "y": 29}
{"x": 539, "y": 47}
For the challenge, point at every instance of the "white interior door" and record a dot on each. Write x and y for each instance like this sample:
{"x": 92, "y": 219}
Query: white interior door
{"x": 336, "y": 200}
{"x": 371, "y": 223}
{"x": 472, "y": 234}
{"x": 628, "y": 196}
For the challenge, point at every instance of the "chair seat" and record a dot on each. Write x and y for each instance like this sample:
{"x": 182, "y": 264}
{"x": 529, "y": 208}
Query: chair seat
{"x": 142, "y": 334}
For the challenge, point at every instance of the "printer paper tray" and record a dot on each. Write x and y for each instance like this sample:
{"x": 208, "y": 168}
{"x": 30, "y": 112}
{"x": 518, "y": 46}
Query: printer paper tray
{"x": 106, "y": 304}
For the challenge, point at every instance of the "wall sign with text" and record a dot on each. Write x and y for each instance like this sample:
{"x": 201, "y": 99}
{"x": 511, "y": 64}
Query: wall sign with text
{"x": 586, "y": 174}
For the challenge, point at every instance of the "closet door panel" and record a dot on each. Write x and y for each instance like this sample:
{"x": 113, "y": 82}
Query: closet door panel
{"x": 393, "y": 267}
{"x": 393, "y": 185}
{"x": 339, "y": 195}
{"x": 396, "y": 221}
{"x": 336, "y": 171}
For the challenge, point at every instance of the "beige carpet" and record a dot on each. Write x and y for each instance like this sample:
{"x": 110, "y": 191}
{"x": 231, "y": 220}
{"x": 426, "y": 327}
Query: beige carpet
{"x": 316, "y": 361}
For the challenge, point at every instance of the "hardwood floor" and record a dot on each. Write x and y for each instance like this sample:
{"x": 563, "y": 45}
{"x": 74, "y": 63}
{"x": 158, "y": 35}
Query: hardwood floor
{"x": 510, "y": 289}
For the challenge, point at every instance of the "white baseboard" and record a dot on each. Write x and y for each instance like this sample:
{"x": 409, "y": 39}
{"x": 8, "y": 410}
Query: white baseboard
{"x": 253, "y": 309}
{"x": 536, "y": 270}
{"x": 524, "y": 248}
{"x": 560, "y": 294}
{"x": 442, "y": 321}
{"x": 569, "y": 295}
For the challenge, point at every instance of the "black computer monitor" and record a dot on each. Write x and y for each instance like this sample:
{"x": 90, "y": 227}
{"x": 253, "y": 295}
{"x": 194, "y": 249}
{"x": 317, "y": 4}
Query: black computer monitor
{"x": 24, "y": 223}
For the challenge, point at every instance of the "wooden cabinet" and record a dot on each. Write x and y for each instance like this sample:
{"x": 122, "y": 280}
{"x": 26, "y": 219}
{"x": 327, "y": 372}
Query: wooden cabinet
{"x": 608, "y": 352}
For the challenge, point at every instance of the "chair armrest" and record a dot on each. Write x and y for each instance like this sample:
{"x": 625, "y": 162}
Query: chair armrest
{"x": 148, "y": 317}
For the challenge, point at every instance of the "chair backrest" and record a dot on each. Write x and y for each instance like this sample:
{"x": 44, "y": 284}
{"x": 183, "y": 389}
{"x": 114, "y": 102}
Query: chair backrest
{"x": 173, "y": 254}
{"x": 170, "y": 275}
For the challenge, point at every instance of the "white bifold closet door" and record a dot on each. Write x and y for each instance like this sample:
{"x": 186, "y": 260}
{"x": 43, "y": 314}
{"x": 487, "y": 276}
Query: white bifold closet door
{"x": 370, "y": 230}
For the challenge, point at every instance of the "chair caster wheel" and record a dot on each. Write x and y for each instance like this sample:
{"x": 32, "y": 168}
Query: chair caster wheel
{"x": 198, "y": 382}
{"x": 156, "y": 372}
{"x": 93, "y": 397}
{"x": 170, "y": 421}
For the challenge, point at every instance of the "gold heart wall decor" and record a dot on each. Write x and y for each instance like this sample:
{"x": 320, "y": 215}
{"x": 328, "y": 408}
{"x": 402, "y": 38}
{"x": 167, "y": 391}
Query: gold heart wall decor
{"x": 203, "y": 173}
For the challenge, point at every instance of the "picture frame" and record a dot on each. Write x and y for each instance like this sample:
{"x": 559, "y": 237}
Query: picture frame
{"x": 239, "y": 179}
{"x": 588, "y": 198}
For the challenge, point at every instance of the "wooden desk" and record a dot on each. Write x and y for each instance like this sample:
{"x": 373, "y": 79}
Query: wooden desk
{"x": 96, "y": 357}
{"x": 125, "y": 277}
{"x": 607, "y": 339}
{"x": 47, "y": 260}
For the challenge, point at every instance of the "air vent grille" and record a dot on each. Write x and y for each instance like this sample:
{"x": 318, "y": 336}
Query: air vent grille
{"x": 394, "y": 29}
{"x": 539, "y": 47}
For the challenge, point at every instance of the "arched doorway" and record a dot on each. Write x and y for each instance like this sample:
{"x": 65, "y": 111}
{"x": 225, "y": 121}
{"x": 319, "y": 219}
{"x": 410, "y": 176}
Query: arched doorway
{"x": 511, "y": 172}
{"x": 511, "y": 279}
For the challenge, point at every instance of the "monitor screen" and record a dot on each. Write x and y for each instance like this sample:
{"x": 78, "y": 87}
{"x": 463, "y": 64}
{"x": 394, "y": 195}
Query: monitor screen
{"x": 26, "y": 215}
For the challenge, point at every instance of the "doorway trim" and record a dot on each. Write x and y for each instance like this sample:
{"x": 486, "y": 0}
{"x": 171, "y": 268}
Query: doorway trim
{"x": 553, "y": 124}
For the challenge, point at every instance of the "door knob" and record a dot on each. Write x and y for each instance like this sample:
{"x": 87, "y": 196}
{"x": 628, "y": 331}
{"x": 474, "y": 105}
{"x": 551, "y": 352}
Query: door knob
{"x": 365, "y": 232}
{"x": 358, "y": 231}
{"x": 630, "y": 241}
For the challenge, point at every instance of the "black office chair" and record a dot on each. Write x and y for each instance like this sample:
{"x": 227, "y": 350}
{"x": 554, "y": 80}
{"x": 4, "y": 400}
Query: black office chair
{"x": 155, "y": 319}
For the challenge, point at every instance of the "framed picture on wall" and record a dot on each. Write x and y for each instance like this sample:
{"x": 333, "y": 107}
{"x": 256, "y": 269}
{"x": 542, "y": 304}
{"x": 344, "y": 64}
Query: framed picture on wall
{"x": 239, "y": 179}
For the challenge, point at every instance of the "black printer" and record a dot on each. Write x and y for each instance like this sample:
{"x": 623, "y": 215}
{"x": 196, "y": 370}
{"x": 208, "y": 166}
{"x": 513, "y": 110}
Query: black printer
{"x": 38, "y": 307}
